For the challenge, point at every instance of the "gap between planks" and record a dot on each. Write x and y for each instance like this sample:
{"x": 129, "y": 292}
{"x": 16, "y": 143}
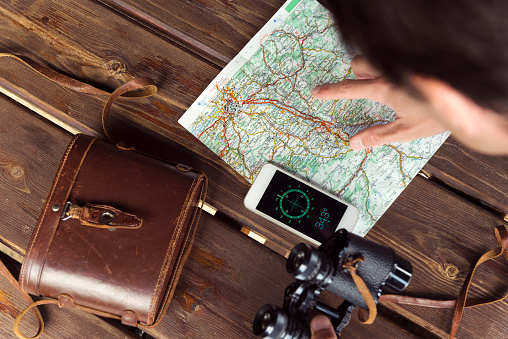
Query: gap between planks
{"x": 465, "y": 191}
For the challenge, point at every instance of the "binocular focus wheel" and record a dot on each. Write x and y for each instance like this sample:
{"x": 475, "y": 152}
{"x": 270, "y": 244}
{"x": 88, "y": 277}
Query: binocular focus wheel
{"x": 270, "y": 322}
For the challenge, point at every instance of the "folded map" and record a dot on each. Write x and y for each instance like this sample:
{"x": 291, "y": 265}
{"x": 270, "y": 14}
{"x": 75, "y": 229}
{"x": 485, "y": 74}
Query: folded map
{"x": 259, "y": 109}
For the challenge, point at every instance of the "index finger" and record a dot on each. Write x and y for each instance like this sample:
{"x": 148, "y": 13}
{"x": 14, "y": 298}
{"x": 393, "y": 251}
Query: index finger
{"x": 373, "y": 89}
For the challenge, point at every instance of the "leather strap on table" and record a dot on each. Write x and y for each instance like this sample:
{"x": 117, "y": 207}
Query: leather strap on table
{"x": 502, "y": 240}
{"x": 137, "y": 88}
{"x": 63, "y": 301}
{"x": 462, "y": 302}
{"x": 6, "y": 273}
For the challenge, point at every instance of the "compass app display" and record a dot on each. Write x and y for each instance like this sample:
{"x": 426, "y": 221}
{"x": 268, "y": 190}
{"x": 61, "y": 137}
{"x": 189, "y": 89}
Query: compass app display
{"x": 301, "y": 207}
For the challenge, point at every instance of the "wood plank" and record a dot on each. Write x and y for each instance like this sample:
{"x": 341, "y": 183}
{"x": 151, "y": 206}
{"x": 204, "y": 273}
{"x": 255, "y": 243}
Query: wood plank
{"x": 481, "y": 178}
{"x": 427, "y": 221}
{"x": 93, "y": 43}
{"x": 214, "y": 29}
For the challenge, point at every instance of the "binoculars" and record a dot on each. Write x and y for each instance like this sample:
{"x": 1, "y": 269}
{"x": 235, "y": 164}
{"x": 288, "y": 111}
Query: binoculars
{"x": 323, "y": 269}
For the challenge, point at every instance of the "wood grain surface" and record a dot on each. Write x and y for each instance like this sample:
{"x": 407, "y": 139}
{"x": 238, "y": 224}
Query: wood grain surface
{"x": 480, "y": 178}
{"x": 215, "y": 29}
{"x": 441, "y": 225}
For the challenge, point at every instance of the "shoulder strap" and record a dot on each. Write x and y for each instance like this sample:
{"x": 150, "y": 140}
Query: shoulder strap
{"x": 136, "y": 88}
{"x": 502, "y": 240}
{"x": 5, "y": 272}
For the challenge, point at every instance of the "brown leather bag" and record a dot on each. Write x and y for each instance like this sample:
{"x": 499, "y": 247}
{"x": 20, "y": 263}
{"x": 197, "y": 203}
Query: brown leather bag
{"x": 116, "y": 227}
{"x": 114, "y": 232}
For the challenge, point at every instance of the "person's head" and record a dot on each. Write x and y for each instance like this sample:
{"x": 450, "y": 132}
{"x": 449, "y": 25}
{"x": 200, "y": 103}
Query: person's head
{"x": 452, "y": 53}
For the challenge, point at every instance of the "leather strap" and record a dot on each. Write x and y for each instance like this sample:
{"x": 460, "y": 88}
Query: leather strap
{"x": 6, "y": 273}
{"x": 502, "y": 239}
{"x": 461, "y": 303}
{"x": 101, "y": 216}
{"x": 351, "y": 265}
{"x": 63, "y": 301}
{"x": 136, "y": 88}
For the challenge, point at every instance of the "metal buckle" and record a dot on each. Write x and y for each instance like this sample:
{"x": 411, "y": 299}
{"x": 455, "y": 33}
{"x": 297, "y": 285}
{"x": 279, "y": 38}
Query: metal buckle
{"x": 63, "y": 216}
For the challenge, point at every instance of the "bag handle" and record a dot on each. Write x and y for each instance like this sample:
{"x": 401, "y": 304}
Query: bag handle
{"x": 137, "y": 88}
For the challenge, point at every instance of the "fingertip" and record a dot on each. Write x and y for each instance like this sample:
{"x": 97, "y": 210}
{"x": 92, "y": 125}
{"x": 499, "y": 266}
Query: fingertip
{"x": 322, "y": 328}
{"x": 327, "y": 91}
{"x": 315, "y": 90}
{"x": 319, "y": 323}
{"x": 356, "y": 144}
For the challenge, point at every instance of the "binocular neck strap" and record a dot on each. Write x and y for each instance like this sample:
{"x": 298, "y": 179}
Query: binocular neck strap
{"x": 461, "y": 303}
{"x": 502, "y": 240}
{"x": 350, "y": 264}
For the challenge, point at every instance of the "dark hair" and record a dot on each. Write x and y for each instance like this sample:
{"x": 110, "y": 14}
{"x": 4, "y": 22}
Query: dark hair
{"x": 462, "y": 42}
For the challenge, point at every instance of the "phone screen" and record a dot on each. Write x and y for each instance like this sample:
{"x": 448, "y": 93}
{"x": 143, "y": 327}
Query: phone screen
{"x": 301, "y": 207}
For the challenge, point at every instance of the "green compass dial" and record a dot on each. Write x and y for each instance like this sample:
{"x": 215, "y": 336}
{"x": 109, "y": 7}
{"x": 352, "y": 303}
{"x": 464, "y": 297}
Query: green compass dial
{"x": 294, "y": 203}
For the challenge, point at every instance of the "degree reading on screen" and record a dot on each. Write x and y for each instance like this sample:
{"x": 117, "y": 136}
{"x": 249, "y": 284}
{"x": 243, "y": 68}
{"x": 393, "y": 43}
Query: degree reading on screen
{"x": 301, "y": 207}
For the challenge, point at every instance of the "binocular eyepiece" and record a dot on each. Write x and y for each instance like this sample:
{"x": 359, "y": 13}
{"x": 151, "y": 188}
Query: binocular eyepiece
{"x": 323, "y": 268}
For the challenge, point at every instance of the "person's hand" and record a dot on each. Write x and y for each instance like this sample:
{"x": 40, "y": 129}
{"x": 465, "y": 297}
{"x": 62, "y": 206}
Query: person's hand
{"x": 321, "y": 328}
{"x": 411, "y": 122}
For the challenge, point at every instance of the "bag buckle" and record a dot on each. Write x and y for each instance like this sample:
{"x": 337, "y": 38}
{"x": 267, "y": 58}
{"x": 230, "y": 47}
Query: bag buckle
{"x": 65, "y": 215}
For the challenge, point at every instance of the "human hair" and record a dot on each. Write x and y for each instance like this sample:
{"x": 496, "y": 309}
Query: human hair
{"x": 461, "y": 42}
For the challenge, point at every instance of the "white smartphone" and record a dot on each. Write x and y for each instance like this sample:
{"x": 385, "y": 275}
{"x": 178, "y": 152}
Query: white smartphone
{"x": 295, "y": 205}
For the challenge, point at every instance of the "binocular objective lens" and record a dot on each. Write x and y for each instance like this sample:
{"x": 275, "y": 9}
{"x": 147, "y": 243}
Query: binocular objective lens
{"x": 271, "y": 322}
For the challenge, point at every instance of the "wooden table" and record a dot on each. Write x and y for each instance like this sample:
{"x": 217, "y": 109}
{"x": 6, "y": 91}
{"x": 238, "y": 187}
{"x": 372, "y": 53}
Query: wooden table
{"x": 442, "y": 222}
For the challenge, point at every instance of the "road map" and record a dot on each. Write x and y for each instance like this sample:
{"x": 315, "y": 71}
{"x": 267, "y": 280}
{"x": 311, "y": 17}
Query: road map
{"x": 259, "y": 109}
